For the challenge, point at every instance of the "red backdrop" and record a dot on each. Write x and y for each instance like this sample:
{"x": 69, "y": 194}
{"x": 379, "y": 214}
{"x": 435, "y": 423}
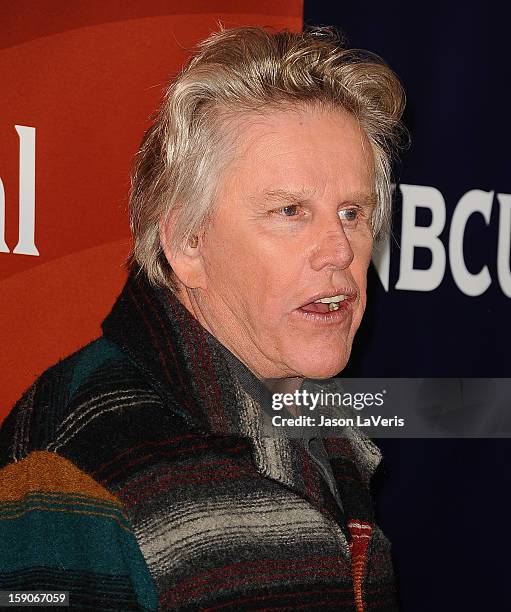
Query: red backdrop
{"x": 84, "y": 77}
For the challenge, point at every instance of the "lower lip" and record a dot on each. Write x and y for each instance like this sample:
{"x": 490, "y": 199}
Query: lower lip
{"x": 334, "y": 317}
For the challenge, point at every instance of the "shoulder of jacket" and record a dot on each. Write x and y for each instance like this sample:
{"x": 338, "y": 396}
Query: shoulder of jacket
{"x": 97, "y": 380}
{"x": 59, "y": 525}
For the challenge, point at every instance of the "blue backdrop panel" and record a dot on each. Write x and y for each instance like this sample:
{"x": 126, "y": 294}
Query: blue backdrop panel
{"x": 443, "y": 503}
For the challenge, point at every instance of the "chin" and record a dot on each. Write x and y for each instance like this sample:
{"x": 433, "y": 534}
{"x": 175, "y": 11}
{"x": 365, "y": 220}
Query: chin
{"x": 323, "y": 359}
{"x": 322, "y": 368}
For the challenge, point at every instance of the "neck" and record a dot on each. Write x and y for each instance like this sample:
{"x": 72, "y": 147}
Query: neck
{"x": 257, "y": 363}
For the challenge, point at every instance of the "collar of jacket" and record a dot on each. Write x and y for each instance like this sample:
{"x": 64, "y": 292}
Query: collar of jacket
{"x": 186, "y": 366}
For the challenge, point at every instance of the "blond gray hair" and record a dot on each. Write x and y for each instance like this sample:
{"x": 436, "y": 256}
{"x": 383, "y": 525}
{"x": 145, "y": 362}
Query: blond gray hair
{"x": 236, "y": 72}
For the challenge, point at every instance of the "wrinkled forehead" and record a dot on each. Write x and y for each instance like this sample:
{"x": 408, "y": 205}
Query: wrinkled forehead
{"x": 299, "y": 153}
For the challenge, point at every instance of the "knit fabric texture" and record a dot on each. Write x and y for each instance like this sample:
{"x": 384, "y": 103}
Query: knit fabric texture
{"x": 134, "y": 474}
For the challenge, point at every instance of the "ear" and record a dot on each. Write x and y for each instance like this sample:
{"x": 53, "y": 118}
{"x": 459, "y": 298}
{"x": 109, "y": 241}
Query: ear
{"x": 187, "y": 263}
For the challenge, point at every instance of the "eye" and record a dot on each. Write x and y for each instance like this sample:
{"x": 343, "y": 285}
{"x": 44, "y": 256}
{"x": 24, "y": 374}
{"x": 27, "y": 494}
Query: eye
{"x": 292, "y": 210}
{"x": 350, "y": 215}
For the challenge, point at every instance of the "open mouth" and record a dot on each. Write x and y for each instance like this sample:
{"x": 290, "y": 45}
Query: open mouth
{"x": 328, "y": 307}
{"x": 326, "y": 304}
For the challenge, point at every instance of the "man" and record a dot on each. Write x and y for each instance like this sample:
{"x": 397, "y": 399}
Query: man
{"x": 135, "y": 473}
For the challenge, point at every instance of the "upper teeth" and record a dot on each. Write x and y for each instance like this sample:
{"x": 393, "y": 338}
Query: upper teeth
{"x": 329, "y": 300}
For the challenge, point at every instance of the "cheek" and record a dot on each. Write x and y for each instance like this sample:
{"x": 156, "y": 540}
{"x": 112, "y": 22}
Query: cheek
{"x": 359, "y": 272}
{"x": 225, "y": 260}
{"x": 363, "y": 293}
{"x": 363, "y": 301}
{"x": 252, "y": 272}
{"x": 360, "y": 265}
{"x": 237, "y": 276}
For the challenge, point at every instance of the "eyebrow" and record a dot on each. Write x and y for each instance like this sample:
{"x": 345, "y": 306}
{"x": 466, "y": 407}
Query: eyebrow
{"x": 368, "y": 200}
{"x": 282, "y": 196}
{"x": 300, "y": 197}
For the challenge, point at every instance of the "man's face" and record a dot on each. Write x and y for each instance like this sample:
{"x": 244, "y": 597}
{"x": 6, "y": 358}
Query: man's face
{"x": 291, "y": 225}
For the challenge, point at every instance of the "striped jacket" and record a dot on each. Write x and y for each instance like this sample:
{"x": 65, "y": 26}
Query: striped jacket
{"x": 135, "y": 476}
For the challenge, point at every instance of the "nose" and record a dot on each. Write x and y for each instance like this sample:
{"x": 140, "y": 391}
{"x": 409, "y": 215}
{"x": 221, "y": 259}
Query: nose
{"x": 332, "y": 250}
